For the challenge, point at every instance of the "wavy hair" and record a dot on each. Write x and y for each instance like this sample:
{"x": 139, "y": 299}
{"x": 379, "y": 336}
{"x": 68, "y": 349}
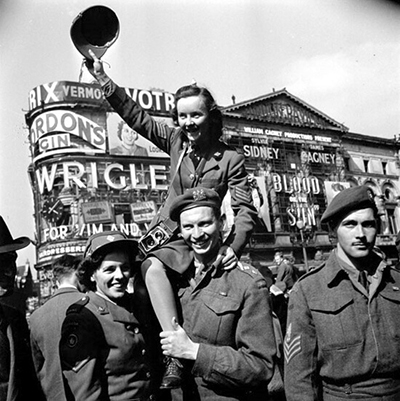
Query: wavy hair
{"x": 91, "y": 263}
{"x": 215, "y": 114}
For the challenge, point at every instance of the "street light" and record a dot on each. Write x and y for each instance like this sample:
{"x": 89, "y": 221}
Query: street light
{"x": 300, "y": 225}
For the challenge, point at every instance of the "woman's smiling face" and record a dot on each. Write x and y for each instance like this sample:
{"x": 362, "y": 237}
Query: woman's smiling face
{"x": 193, "y": 117}
{"x": 113, "y": 275}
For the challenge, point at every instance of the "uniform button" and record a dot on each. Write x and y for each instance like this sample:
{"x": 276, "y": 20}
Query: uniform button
{"x": 191, "y": 176}
{"x": 148, "y": 374}
{"x": 136, "y": 330}
{"x": 143, "y": 352}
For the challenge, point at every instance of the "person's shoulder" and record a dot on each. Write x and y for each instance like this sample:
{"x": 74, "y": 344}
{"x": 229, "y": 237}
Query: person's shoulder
{"x": 394, "y": 272}
{"x": 11, "y": 313}
{"x": 77, "y": 306}
{"x": 310, "y": 276}
{"x": 141, "y": 149}
{"x": 226, "y": 150}
{"x": 82, "y": 313}
{"x": 249, "y": 273}
{"x": 60, "y": 297}
{"x": 15, "y": 318}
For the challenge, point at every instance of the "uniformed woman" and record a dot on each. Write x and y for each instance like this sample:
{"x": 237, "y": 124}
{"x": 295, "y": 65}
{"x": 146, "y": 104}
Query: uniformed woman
{"x": 198, "y": 158}
{"x": 104, "y": 349}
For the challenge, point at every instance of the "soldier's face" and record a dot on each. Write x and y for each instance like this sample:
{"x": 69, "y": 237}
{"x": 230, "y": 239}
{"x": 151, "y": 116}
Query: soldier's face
{"x": 201, "y": 230}
{"x": 356, "y": 235}
{"x": 113, "y": 275}
{"x": 8, "y": 270}
{"x": 193, "y": 117}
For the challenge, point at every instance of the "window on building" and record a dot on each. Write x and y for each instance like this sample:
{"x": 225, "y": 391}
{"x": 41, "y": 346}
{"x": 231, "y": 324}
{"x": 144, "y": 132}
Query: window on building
{"x": 347, "y": 163}
{"x": 366, "y": 164}
{"x": 389, "y": 194}
{"x": 122, "y": 212}
{"x": 384, "y": 166}
{"x": 393, "y": 226}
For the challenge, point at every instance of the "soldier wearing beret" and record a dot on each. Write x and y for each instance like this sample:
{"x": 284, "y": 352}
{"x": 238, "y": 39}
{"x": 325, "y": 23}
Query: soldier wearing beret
{"x": 342, "y": 340}
{"x": 105, "y": 347}
{"x": 198, "y": 158}
{"x": 226, "y": 339}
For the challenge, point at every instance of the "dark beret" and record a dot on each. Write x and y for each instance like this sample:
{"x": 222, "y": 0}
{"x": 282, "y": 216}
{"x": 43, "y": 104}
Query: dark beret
{"x": 194, "y": 197}
{"x": 349, "y": 200}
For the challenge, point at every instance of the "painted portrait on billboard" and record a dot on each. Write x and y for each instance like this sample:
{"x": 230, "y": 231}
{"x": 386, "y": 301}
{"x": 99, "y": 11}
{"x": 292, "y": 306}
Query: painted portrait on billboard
{"x": 124, "y": 141}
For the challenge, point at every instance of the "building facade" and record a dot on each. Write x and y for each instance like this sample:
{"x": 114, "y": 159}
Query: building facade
{"x": 89, "y": 171}
{"x": 86, "y": 179}
{"x": 301, "y": 158}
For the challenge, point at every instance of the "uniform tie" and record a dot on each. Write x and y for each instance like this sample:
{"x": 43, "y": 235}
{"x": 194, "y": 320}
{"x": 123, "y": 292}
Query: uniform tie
{"x": 193, "y": 155}
{"x": 363, "y": 279}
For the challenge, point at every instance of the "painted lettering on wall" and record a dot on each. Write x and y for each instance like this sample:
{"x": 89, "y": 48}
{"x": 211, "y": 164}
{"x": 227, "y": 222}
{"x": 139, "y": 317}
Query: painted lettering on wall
{"x": 292, "y": 184}
{"x": 303, "y": 212}
{"x": 318, "y": 157}
{"x": 75, "y": 92}
{"x": 115, "y": 175}
{"x": 64, "y": 91}
{"x": 86, "y": 230}
{"x": 285, "y": 134}
{"x": 263, "y": 152}
{"x": 67, "y": 121}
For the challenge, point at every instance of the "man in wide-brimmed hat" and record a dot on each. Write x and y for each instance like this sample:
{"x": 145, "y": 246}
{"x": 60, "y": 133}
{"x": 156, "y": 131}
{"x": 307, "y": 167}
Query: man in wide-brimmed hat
{"x": 17, "y": 377}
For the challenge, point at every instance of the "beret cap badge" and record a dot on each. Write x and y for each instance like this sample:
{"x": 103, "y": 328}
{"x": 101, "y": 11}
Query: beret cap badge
{"x": 198, "y": 195}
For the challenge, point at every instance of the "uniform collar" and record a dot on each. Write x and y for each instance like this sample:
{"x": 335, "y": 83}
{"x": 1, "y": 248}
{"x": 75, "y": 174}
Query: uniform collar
{"x": 338, "y": 269}
{"x": 104, "y": 307}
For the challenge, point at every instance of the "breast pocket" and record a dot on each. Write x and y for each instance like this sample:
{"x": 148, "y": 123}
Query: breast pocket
{"x": 389, "y": 305}
{"x": 218, "y": 316}
{"x": 336, "y": 322}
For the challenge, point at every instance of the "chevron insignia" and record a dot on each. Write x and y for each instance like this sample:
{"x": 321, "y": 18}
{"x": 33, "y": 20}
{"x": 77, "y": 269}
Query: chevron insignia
{"x": 292, "y": 345}
{"x": 242, "y": 195}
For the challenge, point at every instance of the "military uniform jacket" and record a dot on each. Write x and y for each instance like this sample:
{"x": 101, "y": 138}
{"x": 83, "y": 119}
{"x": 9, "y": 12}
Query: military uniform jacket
{"x": 103, "y": 352}
{"x": 14, "y": 348}
{"x": 338, "y": 337}
{"x": 45, "y": 324}
{"x": 223, "y": 170}
{"x": 228, "y": 313}
{"x": 287, "y": 274}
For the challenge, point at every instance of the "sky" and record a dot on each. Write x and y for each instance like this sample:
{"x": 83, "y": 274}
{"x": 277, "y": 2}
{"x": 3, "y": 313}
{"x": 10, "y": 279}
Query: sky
{"x": 342, "y": 57}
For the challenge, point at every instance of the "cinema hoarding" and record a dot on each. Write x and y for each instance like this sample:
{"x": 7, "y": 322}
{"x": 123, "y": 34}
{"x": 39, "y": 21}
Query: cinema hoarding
{"x": 81, "y": 187}
{"x": 295, "y": 166}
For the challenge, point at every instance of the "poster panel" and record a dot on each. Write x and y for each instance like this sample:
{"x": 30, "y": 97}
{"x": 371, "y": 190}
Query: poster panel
{"x": 124, "y": 141}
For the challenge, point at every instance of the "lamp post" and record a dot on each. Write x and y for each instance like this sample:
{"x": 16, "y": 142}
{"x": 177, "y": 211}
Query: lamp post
{"x": 300, "y": 225}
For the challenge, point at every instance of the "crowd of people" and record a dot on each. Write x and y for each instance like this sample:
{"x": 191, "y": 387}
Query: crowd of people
{"x": 185, "y": 319}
